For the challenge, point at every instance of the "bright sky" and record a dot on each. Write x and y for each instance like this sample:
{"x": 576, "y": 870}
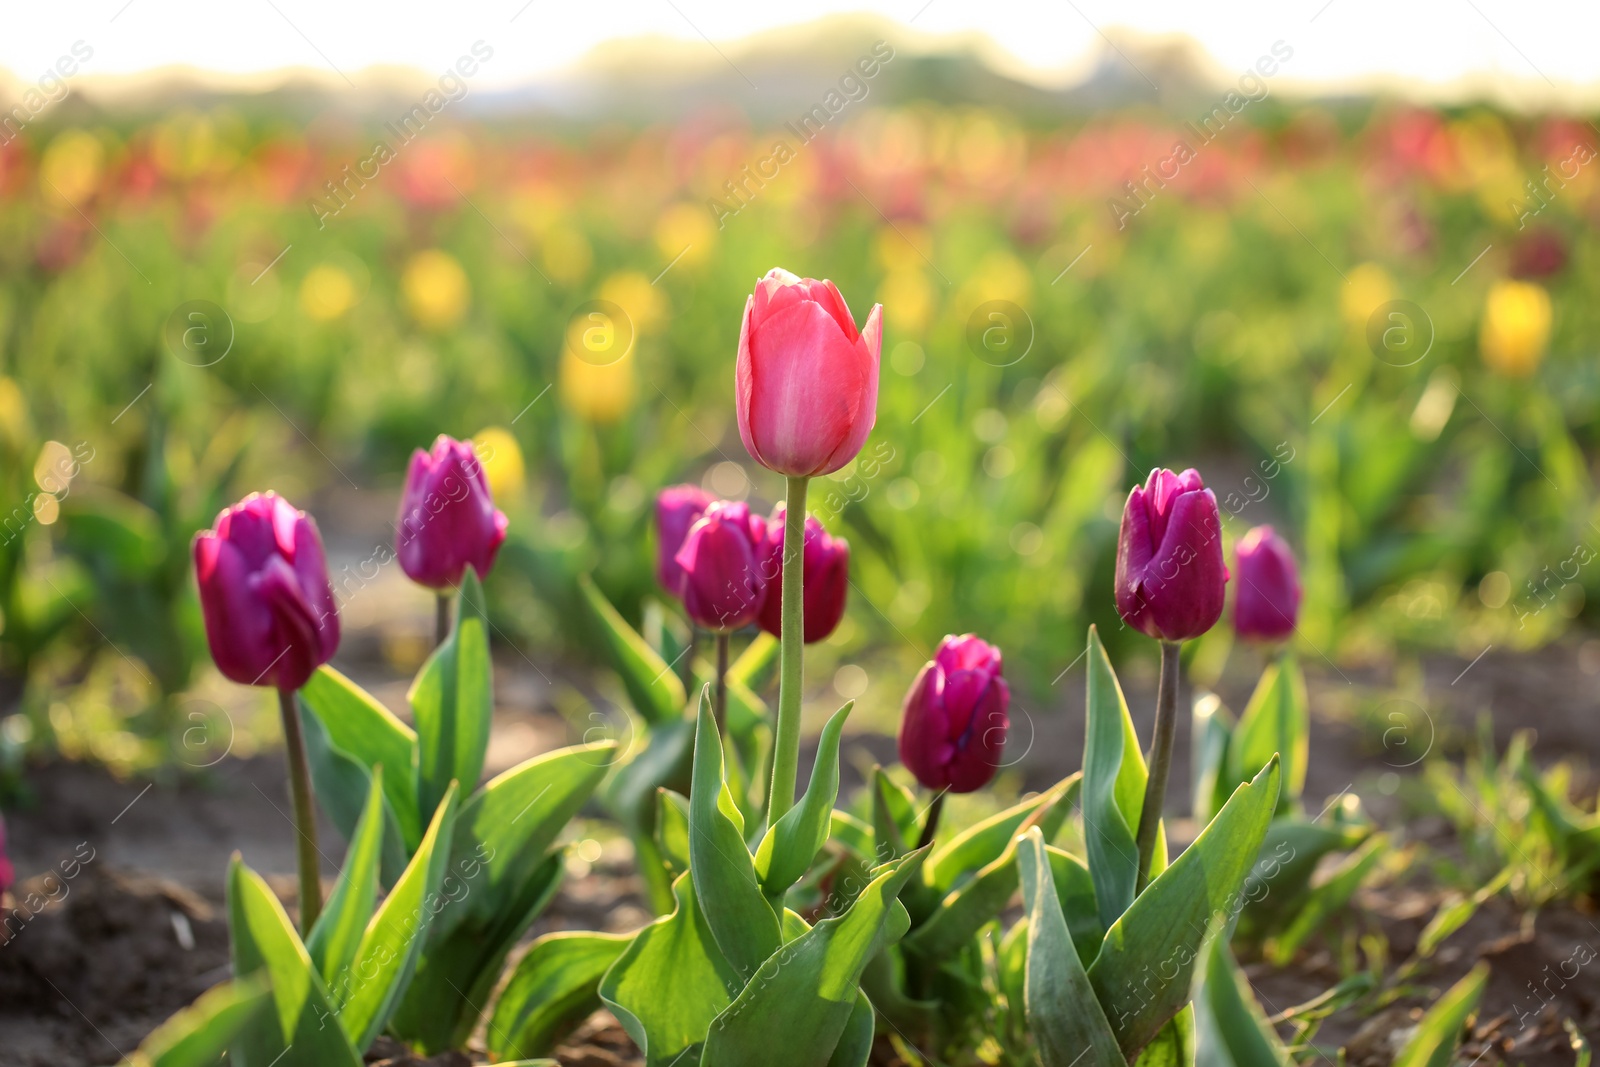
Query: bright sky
{"x": 1547, "y": 43}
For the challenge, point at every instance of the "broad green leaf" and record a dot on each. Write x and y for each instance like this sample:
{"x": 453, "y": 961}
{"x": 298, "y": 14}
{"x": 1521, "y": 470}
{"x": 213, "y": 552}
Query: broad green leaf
{"x": 749, "y": 728}
{"x": 1434, "y": 1042}
{"x": 1174, "y": 1045}
{"x": 367, "y": 731}
{"x": 672, "y": 829}
{"x": 852, "y": 833}
{"x": 796, "y": 1007}
{"x": 555, "y": 986}
{"x": 789, "y": 847}
{"x": 337, "y": 932}
{"x": 981, "y": 844}
{"x": 671, "y": 982}
{"x": 1113, "y": 788}
{"x": 1289, "y": 857}
{"x": 964, "y": 911}
{"x": 198, "y": 1035}
{"x": 1165, "y": 926}
{"x": 452, "y": 700}
{"x": 754, "y": 666}
{"x": 1275, "y": 721}
{"x": 367, "y": 991}
{"x": 1067, "y": 1022}
{"x": 884, "y": 983}
{"x": 1075, "y": 891}
{"x": 1210, "y": 733}
{"x": 741, "y": 919}
{"x": 298, "y": 1031}
{"x": 655, "y": 690}
{"x": 1327, "y": 899}
{"x": 895, "y": 826}
{"x": 1230, "y": 1028}
{"x": 855, "y": 1044}
{"x": 342, "y": 785}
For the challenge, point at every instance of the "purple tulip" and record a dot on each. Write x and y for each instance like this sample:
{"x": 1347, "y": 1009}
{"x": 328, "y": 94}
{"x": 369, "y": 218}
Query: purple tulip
{"x": 1170, "y": 579}
{"x": 954, "y": 723}
{"x": 1266, "y": 601}
{"x": 8, "y": 874}
{"x": 447, "y": 516}
{"x": 825, "y": 577}
{"x": 723, "y": 588}
{"x": 264, "y": 591}
{"x": 677, "y": 509}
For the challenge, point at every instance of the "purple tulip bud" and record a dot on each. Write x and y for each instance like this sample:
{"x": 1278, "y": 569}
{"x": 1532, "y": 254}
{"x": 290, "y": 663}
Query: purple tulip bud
{"x": 677, "y": 508}
{"x": 264, "y": 592}
{"x": 8, "y": 874}
{"x": 723, "y": 588}
{"x": 954, "y": 723}
{"x": 825, "y": 577}
{"x": 447, "y": 516}
{"x": 1170, "y": 576}
{"x": 1266, "y": 601}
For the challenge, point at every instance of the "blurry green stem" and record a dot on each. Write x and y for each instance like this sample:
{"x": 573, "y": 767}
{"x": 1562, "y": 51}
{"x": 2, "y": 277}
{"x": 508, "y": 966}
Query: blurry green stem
{"x": 720, "y": 709}
{"x": 305, "y": 819}
{"x": 930, "y": 825}
{"x": 786, "y": 749}
{"x": 1155, "y": 792}
{"x": 441, "y": 619}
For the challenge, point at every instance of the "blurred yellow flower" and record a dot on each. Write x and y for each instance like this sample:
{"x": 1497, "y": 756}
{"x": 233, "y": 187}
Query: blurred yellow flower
{"x": 903, "y": 248}
{"x": 327, "y": 292}
{"x": 566, "y": 255}
{"x": 435, "y": 289}
{"x": 645, "y": 304}
{"x": 1367, "y": 288}
{"x": 686, "y": 228}
{"x": 600, "y": 393}
{"x": 907, "y": 298}
{"x": 501, "y": 457}
{"x": 998, "y": 276}
{"x": 71, "y": 167}
{"x": 1516, "y": 328}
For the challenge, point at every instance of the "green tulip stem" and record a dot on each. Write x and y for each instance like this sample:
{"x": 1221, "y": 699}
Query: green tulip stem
{"x": 930, "y": 825}
{"x": 720, "y": 709}
{"x": 786, "y": 749}
{"x": 1160, "y": 760}
{"x": 441, "y": 619}
{"x": 305, "y": 819}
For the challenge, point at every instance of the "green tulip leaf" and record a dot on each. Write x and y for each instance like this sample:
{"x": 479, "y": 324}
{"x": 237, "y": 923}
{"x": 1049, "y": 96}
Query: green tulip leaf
{"x": 1327, "y": 899}
{"x": 1075, "y": 891}
{"x": 299, "y": 1030}
{"x": 1230, "y": 1028}
{"x": 452, "y": 700}
{"x": 1174, "y": 1045}
{"x": 555, "y": 986}
{"x": 1068, "y": 1026}
{"x": 851, "y": 833}
{"x": 855, "y": 1044}
{"x": 198, "y": 1035}
{"x": 663, "y": 761}
{"x": 1212, "y": 732}
{"x": 672, "y": 829}
{"x": 951, "y": 927}
{"x": 894, "y": 818}
{"x": 1113, "y": 788}
{"x": 656, "y": 691}
{"x": 981, "y": 844}
{"x": 789, "y": 848}
{"x": 1289, "y": 857}
{"x": 342, "y": 785}
{"x": 364, "y": 729}
{"x": 338, "y": 930}
{"x": 1276, "y": 720}
{"x": 1434, "y": 1042}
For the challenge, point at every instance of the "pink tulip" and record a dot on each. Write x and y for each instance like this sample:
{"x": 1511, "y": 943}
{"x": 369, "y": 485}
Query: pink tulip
{"x": 826, "y": 570}
{"x": 447, "y": 516}
{"x": 264, "y": 592}
{"x": 1170, "y": 577}
{"x": 677, "y": 509}
{"x": 723, "y": 588}
{"x": 1266, "y": 601}
{"x": 806, "y": 381}
{"x": 954, "y": 723}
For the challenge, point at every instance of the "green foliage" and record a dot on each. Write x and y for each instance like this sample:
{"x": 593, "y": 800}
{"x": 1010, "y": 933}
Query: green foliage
{"x": 452, "y": 700}
{"x": 200, "y": 1034}
{"x": 1439, "y": 1032}
{"x": 554, "y": 986}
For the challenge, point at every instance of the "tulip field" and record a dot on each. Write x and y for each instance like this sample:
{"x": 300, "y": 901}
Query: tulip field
{"x": 978, "y": 586}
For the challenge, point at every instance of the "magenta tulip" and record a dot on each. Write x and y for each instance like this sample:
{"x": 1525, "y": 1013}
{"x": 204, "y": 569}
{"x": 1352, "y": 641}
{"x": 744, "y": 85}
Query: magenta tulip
{"x": 264, "y": 592}
{"x": 447, "y": 516}
{"x": 723, "y": 588}
{"x": 826, "y": 571}
{"x": 8, "y": 874}
{"x": 677, "y": 509}
{"x": 1266, "y": 601}
{"x": 1170, "y": 577}
{"x": 954, "y": 723}
{"x": 806, "y": 381}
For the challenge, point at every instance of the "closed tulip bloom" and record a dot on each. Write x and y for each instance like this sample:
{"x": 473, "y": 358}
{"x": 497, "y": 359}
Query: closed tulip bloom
{"x": 723, "y": 588}
{"x": 806, "y": 381}
{"x": 826, "y": 570}
{"x": 953, "y": 726}
{"x": 1171, "y": 579}
{"x": 448, "y": 520}
{"x": 1266, "y": 601}
{"x": 677, "y": 509}
{"x": 264, "y": 592}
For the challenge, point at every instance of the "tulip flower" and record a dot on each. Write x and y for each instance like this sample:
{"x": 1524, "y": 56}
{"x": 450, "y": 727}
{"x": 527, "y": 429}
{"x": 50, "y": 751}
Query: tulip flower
{"x": 8, "y": 874}
{"x": 825, "y": 577}
{"x": 1170, "y": 585}
{"x": 723, "y": 588}
{"x": 1516, "y": 328}
{"x": 806, "y": 381}
{"x": 954, "y": 722}
{"x": 1267, "y": 598}
{"x": 447, "y": 519}
{"x": 271, "y": 620}
{"x": 677, "y": 508}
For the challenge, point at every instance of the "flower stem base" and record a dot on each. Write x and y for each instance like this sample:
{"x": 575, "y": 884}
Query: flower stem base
{"x": 305, "y": 817}
{"x": 1160, "y": 760}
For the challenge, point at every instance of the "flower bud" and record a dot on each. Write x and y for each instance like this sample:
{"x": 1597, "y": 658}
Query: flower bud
{"x": 954, "y": 723}
{"x": 826, "y": 577}
{"x": 1266, "y": 601}
{"x": 269, "y": 610}
{"x": 723, "y": 588}
{"x": 806, "y": 380}
{"x": 447, "y": 516}
{"x": 1171, "y": 580}
{"x": 677, "y": 509}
